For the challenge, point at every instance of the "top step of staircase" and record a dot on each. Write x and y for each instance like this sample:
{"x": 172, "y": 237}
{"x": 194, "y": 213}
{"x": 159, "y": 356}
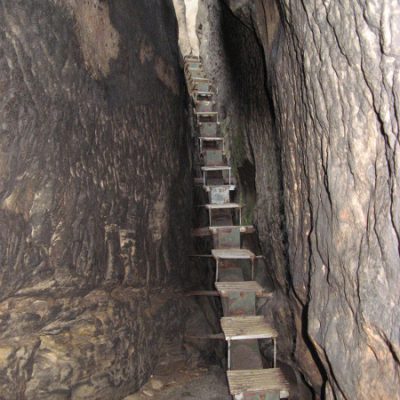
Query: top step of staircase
{"x": 258, "y": 380}
{"x": 247, "y": 327}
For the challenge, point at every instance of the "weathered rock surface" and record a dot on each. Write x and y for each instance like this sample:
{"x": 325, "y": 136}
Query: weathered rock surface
{"x": 186, "y": 14}
{"x": 310, "y": 91}
{"x": 93, "y": 193}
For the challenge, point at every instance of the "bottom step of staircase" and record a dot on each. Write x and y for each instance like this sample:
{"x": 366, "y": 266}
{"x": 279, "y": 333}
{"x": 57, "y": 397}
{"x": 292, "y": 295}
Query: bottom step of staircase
{"x": 243, "y": 382}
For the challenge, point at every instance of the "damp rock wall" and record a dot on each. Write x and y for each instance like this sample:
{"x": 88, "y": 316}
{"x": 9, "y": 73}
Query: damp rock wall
{"x": 309, "y": 91}
{"x": 94, "y": 195}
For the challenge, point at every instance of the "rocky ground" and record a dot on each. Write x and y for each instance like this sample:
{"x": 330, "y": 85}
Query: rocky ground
{"x": 179, "y": 376}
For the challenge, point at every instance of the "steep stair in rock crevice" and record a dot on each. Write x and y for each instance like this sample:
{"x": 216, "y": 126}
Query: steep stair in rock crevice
{"x": 235, "y": 266}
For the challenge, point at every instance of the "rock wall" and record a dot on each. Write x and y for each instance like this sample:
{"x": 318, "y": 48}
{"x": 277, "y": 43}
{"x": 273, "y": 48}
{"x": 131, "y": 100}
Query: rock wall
{"x": 186, "y": 14}
{"x": 340, "y": 157}
{"x": 310, "y": 93}
{"x": 94, "y": 195}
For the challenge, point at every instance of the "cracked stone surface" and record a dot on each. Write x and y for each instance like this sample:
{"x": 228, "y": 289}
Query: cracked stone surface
{"x": 310, "y": 94}
{"x": 93, "y": 195}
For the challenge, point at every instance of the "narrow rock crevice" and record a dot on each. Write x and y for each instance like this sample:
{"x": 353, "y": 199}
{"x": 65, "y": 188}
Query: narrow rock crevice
{"x": 96, "y": 194}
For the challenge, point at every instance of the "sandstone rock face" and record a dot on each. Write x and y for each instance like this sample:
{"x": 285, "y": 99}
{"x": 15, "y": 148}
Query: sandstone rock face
{"x": 93, "y": 195}
{"x": 310, "y": 91}
{"x": 186, "y": 14}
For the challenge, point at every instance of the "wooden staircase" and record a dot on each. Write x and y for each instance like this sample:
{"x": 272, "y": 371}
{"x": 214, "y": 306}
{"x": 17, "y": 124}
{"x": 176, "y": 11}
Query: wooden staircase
{"x": 241, "y": 327}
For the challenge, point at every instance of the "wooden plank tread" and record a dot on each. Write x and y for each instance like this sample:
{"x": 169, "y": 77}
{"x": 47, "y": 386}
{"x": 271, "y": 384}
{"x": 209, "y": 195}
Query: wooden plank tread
{"x": 208, "y": 231}
{"x": 195, "y": 79}
{"x": 195, "y": 93}
{"x": 247, "y": 328}
{"x": 222, "y": 206}
{"x": 230, "y": 254}
{"x": 257, "y": 380}
{"x": 216, "y": 168}
{"x": 243, "y": 228}
{"x": 208, "y": 188}
{"x": 202, "y": 113}
{"x": 211, "y": 138}
{"x": 204, "y": 93}
{"x": 240, "y": 286}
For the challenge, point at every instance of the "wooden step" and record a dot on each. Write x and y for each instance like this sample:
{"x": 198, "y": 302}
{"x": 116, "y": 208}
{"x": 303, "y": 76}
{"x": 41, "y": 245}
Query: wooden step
{"x": 233, "y": 254}
{"x": 201, "y": 79}
{"x": 206, "y": 113}
{"x": 224, "y": 288}
{"x": 208, "y": 168}
{"x": 243, "y": 228}
{"x": 258, "y": 380}
{"x": 247, "y": 328}
{"x": 208, "y": 94}
{"x": 222, "y": 206}
{"x": 208, "y": 188}
{"x": 211, "y": 138}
